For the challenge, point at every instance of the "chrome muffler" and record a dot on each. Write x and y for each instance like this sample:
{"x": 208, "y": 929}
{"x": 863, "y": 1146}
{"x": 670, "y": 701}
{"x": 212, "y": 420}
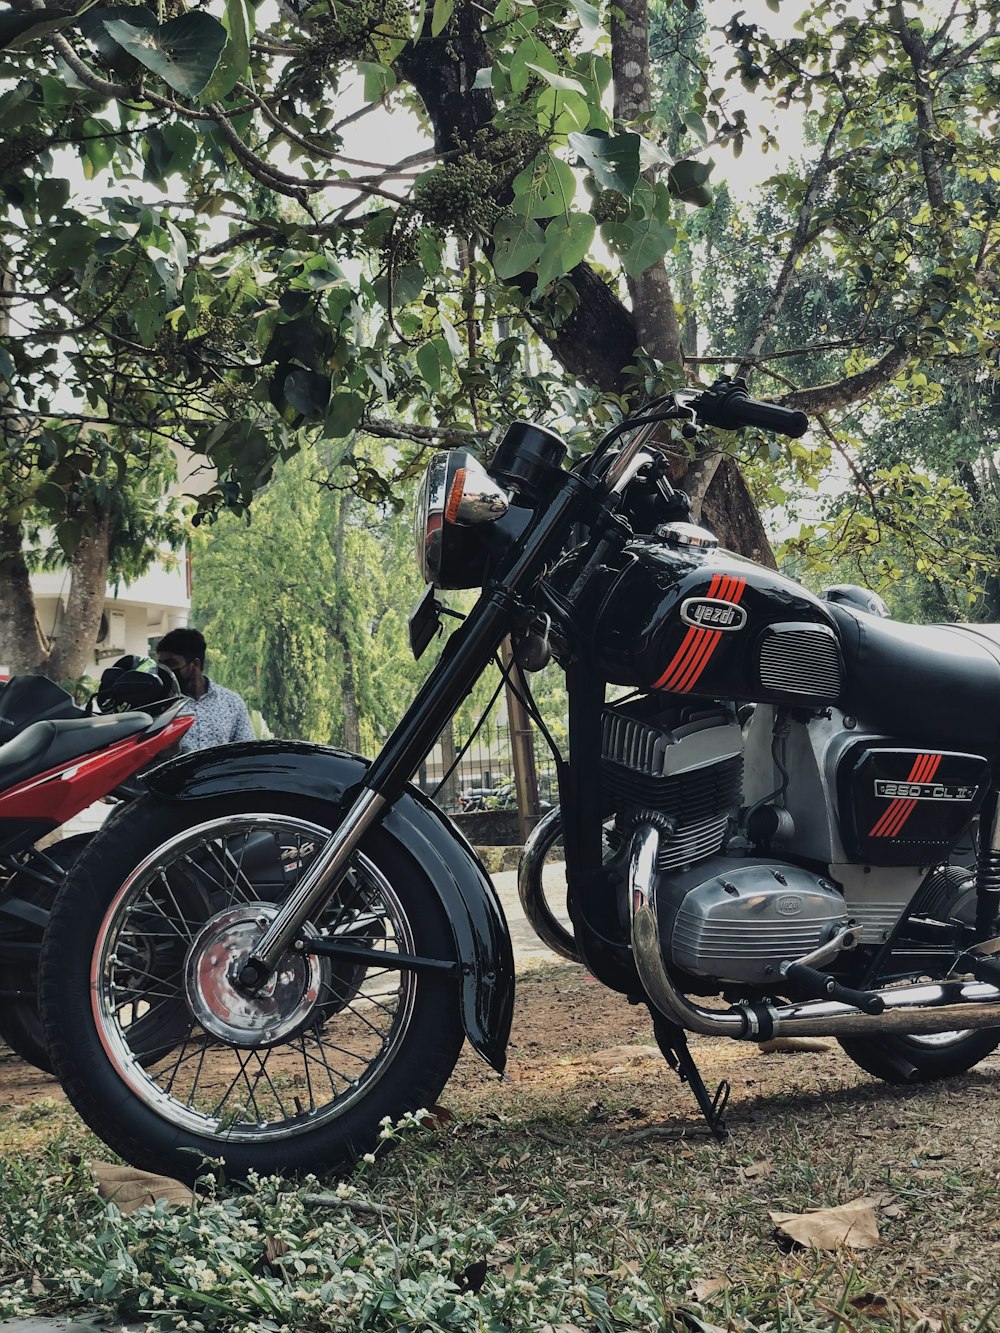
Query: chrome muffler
{"x": 944, "y": 1006}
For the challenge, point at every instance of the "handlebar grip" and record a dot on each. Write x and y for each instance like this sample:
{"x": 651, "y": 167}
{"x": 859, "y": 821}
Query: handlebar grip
{"x": 770, "y": 416}
{"x": 728, "y": 405}
{"x": 819, "y": 985}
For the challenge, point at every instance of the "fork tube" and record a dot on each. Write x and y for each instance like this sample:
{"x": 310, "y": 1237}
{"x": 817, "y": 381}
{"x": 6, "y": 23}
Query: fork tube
{"x": 465, "y": 657}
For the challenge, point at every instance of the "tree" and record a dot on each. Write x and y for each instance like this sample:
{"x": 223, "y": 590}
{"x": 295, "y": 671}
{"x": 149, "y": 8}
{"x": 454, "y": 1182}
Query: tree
{"x": 334, "y": 295}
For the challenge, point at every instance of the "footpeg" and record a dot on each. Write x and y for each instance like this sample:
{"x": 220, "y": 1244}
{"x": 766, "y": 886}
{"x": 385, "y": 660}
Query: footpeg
{"x": 816, "y": 985}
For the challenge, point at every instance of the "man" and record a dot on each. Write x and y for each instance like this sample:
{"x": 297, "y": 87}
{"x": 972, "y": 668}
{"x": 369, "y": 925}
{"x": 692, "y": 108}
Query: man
{"x": 220, "y": 715}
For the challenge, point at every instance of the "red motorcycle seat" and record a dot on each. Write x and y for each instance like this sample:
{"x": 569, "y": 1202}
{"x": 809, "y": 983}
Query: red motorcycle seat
{"x": 46, "y": 745}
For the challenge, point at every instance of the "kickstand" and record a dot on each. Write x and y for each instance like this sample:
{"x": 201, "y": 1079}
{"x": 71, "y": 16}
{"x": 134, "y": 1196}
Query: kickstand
{"x": 673, "y": 1043}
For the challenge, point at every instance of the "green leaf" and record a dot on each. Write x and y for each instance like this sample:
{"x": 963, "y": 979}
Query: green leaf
{"x": 686, "y": 182}
{"x": 555, "y": 80}
{"x": 433, "y": 358}
{"x": 442, "y": 12}
{"x": 343, "y": 415}
{"x": 518, "y": 242}
{"x": 69, "y": 535}
{"x": 589, "y": 16}
{"x": 651, "y": 240}
{"x": 451, "y": 336}
{"x": 18, "y": 30}
{"x": 307, "y": 392}
{"x": 379, "y": 79}
{"x": 235, "y": 59}
{"x": 545, "y": 189}
{"x": 566, "y": 245}
{"x": 612, "y": 159}
{"x": 183, "y": 52}
{"x": 559, "y": 113}
{"x": 531, "y": 56}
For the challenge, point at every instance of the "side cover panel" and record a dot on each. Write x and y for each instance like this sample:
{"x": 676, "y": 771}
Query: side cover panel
{"x": 482, "y": 940}
{"x": 906, "y": 807}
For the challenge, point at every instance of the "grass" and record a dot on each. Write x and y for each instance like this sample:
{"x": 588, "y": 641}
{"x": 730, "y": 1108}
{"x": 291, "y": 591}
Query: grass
{"x": 552, "y": 1205}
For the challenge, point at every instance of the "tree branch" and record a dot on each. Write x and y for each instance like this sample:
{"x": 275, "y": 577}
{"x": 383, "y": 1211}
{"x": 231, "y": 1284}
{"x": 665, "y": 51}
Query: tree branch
{"x": 833, "y": 397}
{"x": 798, "y": 245}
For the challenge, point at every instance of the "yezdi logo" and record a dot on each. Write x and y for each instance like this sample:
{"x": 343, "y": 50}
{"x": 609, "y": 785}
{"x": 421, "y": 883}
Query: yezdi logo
{"x": 708, "y": 613}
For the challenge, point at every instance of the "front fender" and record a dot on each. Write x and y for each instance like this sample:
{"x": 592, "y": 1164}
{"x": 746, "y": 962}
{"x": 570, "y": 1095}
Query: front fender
{"x": 482, "y": 939}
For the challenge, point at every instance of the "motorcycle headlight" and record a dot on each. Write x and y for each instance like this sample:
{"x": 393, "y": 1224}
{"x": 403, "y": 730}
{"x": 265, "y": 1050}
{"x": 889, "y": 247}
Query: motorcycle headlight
{"x": 456, "y": 494}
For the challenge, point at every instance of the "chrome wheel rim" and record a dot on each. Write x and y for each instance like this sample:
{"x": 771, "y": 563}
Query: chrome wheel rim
{"x": 164, "y": 1005}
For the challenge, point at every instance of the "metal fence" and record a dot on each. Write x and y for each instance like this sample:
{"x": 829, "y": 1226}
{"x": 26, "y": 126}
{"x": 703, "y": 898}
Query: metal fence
{"x": 484, "y": 778}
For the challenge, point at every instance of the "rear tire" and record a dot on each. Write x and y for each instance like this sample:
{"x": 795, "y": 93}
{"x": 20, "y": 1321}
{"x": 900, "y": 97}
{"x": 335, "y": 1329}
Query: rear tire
{"x": 921, "y": 1059}
{"x": 169, "y": 1065}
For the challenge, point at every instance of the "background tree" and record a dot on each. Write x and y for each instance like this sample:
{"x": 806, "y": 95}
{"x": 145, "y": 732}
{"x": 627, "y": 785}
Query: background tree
{"x": 262, "y": 281}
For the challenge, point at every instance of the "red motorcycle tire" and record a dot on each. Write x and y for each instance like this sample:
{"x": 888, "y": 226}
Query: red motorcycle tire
{"x": 308, "y": 1080}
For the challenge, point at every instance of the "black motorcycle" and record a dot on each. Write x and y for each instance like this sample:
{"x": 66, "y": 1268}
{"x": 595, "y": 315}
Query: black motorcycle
{"x": 762, "y": 811}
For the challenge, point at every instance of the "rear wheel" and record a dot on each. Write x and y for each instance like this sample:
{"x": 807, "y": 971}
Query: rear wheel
{"x": 169, "y": 1062}
{"x": 921, "y": 1058}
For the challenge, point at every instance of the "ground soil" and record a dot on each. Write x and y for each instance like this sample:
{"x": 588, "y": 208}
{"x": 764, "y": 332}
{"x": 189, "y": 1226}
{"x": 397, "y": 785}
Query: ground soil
{"x": 576, "y": 1043}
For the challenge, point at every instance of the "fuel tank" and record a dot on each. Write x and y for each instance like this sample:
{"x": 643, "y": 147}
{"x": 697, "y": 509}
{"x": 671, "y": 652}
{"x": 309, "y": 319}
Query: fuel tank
{"x": 687, "y": 620}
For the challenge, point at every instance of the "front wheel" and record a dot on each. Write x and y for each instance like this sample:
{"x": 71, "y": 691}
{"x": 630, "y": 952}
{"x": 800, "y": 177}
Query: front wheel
{"x": 170, "y": 1063}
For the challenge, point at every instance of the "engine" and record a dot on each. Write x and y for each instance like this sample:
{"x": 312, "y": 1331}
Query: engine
{"x": 683, "y": 768}
{"x": 732, "y": 918}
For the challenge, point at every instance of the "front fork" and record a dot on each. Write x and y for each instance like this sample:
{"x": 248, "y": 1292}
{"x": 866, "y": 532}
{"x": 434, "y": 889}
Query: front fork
{"x": 466, "y": 655}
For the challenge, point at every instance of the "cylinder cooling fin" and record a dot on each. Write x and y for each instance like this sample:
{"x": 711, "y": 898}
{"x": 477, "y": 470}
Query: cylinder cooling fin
{"x": 683, "y": 767}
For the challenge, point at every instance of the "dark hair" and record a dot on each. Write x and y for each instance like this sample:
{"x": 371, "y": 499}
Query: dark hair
{"x": 185, "y": 642}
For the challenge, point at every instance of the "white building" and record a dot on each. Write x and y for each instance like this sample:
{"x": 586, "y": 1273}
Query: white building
{"x": 134, "y": 613}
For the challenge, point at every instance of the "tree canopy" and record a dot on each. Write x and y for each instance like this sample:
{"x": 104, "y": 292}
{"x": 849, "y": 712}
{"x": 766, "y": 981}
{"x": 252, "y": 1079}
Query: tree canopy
{"x": 194, "y": 250}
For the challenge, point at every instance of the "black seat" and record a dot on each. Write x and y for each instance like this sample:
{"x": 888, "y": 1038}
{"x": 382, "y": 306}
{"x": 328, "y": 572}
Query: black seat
{"x": 46, "y": 745}
{"x": 933, "y": 685}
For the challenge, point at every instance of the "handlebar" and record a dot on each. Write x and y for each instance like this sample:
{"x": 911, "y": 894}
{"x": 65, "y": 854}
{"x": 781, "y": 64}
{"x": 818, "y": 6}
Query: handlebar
{"x": 728, "y": 405}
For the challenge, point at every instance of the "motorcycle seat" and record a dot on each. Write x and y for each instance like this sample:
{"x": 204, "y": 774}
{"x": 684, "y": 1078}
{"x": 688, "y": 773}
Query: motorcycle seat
{"x": 46, "y": 745}
{"x": 934, "y": 685}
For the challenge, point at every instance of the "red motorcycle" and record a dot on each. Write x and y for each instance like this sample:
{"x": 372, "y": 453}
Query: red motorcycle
{"x": 56, "y": 760}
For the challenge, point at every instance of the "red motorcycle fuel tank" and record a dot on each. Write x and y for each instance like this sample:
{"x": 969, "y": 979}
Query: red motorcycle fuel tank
{"x": 687, "y": 620}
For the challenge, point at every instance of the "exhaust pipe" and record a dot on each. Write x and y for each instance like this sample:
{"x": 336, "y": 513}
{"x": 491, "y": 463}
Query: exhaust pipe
{"x": 944, "y": 1006}
{"x": 530, "y": 890}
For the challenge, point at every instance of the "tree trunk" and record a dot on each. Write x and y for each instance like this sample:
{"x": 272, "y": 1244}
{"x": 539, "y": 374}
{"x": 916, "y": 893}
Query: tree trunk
{"x": 351, "y": 739}
{"x": 600, "y": 338}
{"x": 72, "y": 652}
{"x": 653, "y": 310}
{"x": 22, "y": 645}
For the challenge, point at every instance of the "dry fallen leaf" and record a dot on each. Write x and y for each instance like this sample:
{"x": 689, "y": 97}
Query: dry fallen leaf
{"x": 869, "y": 1303}
{"x": 703, "y": 1288}
{"x": 274, "y": 1248}
{"x": 852, "y": 1224}
{"x": 437, "y": 1117}
{"x": 757, "y": 1169}
{"x": 130, "y": 1189}
{"x": 37, "y": 1285}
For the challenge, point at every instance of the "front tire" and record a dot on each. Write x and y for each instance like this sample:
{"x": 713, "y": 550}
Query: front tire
{"x": 170, "y": 1064}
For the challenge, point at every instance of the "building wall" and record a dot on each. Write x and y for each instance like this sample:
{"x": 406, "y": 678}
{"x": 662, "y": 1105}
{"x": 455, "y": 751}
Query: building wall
{"x": 152, "y": 605}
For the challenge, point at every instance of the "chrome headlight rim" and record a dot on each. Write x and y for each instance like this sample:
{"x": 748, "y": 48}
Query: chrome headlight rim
{"x": 428, "y": 521}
